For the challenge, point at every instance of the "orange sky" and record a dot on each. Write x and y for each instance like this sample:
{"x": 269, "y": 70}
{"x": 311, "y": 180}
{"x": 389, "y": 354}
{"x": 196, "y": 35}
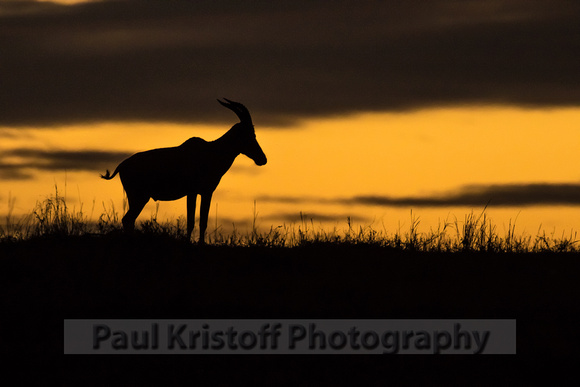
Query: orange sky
{"x": 421, "y": 153}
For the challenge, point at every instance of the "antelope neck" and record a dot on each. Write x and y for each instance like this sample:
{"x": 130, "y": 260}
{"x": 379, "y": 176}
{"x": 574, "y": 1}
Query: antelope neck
{"x": 228, "y": 143}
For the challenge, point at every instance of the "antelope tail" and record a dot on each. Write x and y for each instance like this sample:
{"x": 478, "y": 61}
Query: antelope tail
{"x": 108, "y": 176}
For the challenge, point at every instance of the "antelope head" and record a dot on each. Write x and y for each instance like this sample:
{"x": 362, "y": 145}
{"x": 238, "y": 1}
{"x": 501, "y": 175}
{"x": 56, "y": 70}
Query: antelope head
{"x": 244, "y": 132}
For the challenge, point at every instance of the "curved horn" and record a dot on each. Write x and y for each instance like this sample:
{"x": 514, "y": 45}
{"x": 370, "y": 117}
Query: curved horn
{"x": 240, "y": 110}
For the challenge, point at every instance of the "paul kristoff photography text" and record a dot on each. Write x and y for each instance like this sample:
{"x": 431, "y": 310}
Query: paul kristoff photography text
{"x": 290, "y": 336}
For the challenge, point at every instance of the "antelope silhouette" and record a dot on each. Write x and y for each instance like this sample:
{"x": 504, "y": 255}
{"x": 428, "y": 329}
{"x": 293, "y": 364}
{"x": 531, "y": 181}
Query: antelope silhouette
{"x": 190, "y": 169}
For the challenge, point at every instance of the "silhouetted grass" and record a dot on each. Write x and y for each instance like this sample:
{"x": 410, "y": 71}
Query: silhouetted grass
{"x": 476, "y": 233}
{"x": 56, "y": 264}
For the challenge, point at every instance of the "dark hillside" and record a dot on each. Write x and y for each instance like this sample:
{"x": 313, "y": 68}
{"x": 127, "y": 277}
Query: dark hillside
{"x": 47, "y": 280}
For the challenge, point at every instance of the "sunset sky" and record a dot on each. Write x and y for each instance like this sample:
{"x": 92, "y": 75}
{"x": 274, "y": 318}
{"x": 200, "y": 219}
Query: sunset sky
{"x": 365, "y": 109}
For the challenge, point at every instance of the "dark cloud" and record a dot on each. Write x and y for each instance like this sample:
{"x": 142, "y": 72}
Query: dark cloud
{"x": 21, "y": 163}
{"x": 493, "y": 195}
{"x": 158, "y": 60}
{"x": 307, "y": 217}
{"x": 499, "y": 195}
{"x": 12, "y": 172}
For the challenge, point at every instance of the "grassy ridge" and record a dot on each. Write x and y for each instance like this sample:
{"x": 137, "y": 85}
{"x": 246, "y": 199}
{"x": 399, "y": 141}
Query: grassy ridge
{"x": 476, "y": 233}
{"x": 57, "y": 265}
{"x": 47, "y": 279}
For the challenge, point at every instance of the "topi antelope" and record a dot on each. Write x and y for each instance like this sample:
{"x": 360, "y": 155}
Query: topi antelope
{"x": 195, "y": 167}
